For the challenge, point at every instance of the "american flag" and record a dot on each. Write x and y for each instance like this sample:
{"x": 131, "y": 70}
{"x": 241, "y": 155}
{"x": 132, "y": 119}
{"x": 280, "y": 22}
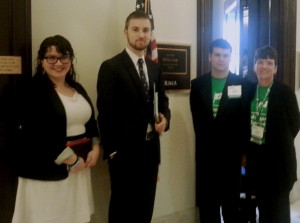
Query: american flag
{"x": 151, "y": 51}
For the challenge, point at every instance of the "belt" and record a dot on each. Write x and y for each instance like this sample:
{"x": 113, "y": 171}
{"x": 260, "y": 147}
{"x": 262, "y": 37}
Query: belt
{"x": 78, "y": 142}
{"x": 81, "y": 146}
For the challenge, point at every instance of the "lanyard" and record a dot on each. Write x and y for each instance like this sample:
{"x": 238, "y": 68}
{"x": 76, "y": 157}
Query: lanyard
{"x": 259, "y": 106}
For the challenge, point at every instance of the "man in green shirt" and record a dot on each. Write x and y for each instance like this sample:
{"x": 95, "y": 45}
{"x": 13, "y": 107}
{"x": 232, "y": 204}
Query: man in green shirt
{"x": 220, "y": 107}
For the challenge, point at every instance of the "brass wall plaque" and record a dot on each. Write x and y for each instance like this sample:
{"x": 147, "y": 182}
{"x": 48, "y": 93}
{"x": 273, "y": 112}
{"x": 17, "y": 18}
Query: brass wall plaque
{"x": 174, "y": 60}
{"x": 10, "y": 65}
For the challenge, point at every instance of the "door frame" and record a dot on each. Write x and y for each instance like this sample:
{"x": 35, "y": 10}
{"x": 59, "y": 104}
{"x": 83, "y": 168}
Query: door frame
{"x": 280, "y": 33}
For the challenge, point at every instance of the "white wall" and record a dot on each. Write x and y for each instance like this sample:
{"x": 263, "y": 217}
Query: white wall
{"x": 95, "y": 29}
{"x": 176, "y": 23}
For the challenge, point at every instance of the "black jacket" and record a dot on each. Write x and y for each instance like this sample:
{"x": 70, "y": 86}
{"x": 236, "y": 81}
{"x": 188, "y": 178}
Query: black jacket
{"x": 223, "y": 136}
{"x": 220, "y": 140}
{"x": 274, "y": 163}
{"x": 124, "y": 113}
{"x": 42, "y": 135}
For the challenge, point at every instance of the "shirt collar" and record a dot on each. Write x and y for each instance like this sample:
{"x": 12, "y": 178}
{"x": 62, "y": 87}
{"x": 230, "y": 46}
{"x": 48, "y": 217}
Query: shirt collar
{"x": 134, "y": 57}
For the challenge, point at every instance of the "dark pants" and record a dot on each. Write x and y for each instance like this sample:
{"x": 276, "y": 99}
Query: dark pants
{"x": 218, "y": 194}
{"x": 248, "y": 202}
{"x": 273, "y": 207}
{"x": 248, "y": 210}
{"x": 210, "y": 204}
{"x": 268, "y": 184}
{"x": 133, "y": 186}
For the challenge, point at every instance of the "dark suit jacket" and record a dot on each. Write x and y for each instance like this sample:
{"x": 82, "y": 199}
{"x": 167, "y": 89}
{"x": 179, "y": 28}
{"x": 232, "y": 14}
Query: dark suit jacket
{"x": 275, "y": 162}
{"x": 124, "y": 113}
{"x": 43, "y": 135}
{"x": 219, "y": 141}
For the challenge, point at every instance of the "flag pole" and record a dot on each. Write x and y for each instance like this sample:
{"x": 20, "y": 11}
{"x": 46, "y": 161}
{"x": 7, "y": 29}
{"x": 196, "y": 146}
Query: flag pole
{"x": 146, "y": 6}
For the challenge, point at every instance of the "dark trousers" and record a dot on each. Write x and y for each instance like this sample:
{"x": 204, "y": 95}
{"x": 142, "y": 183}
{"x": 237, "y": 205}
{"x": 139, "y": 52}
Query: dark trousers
{"x": 218, "y": 194}
{"x": 272, "y": 194}
{"x": 248, "y": 202}
{"x": 211, "y": 203}
{"x": 133, "y": 186}
{"x": 273, "y": 207}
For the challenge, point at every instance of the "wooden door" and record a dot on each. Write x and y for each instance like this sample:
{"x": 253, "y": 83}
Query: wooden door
{"x": 15, "y": 40}
{"x": 271, "y": 22}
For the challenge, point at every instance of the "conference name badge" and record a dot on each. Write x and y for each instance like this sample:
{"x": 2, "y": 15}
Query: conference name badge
{"x": 234, "y": 91}
{"x": 257, "y": 131}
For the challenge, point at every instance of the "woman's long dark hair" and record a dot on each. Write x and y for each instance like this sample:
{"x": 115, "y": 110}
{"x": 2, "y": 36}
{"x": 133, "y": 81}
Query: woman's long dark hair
{"x": 64, "y": 47}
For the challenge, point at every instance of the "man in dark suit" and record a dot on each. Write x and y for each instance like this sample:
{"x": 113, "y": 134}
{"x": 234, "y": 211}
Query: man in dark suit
{"x": 129, "y": 132}
{"x": 219, "y": 107}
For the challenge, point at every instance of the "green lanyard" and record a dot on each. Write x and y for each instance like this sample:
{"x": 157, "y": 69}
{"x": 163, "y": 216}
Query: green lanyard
{"x": 259, "y": 105}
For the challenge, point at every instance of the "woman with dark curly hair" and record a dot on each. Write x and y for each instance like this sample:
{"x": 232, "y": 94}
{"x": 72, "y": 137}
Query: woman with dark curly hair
{"x": 59, "y": 142}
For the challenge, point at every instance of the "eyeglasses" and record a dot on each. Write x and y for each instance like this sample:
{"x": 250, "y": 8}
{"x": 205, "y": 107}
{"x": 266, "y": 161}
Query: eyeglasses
{"x": 53, "y": 60}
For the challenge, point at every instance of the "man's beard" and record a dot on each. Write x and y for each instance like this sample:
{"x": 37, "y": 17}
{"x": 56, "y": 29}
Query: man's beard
{"x": 138, "y": 46}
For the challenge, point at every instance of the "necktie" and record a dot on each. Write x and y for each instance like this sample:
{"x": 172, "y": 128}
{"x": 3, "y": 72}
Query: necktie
{"x": 143, "y": 77}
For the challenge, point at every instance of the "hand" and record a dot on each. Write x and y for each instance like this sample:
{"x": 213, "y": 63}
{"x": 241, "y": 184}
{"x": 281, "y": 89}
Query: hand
{"x": 79, "y": 167}
{"x": 93, "y": 156}
{"x": 161, "y": 126}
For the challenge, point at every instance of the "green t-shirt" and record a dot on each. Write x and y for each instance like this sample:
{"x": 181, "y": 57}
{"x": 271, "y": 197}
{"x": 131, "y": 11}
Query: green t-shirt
{"x": 259, "y": 109}
{"x": 217, "y": 89}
